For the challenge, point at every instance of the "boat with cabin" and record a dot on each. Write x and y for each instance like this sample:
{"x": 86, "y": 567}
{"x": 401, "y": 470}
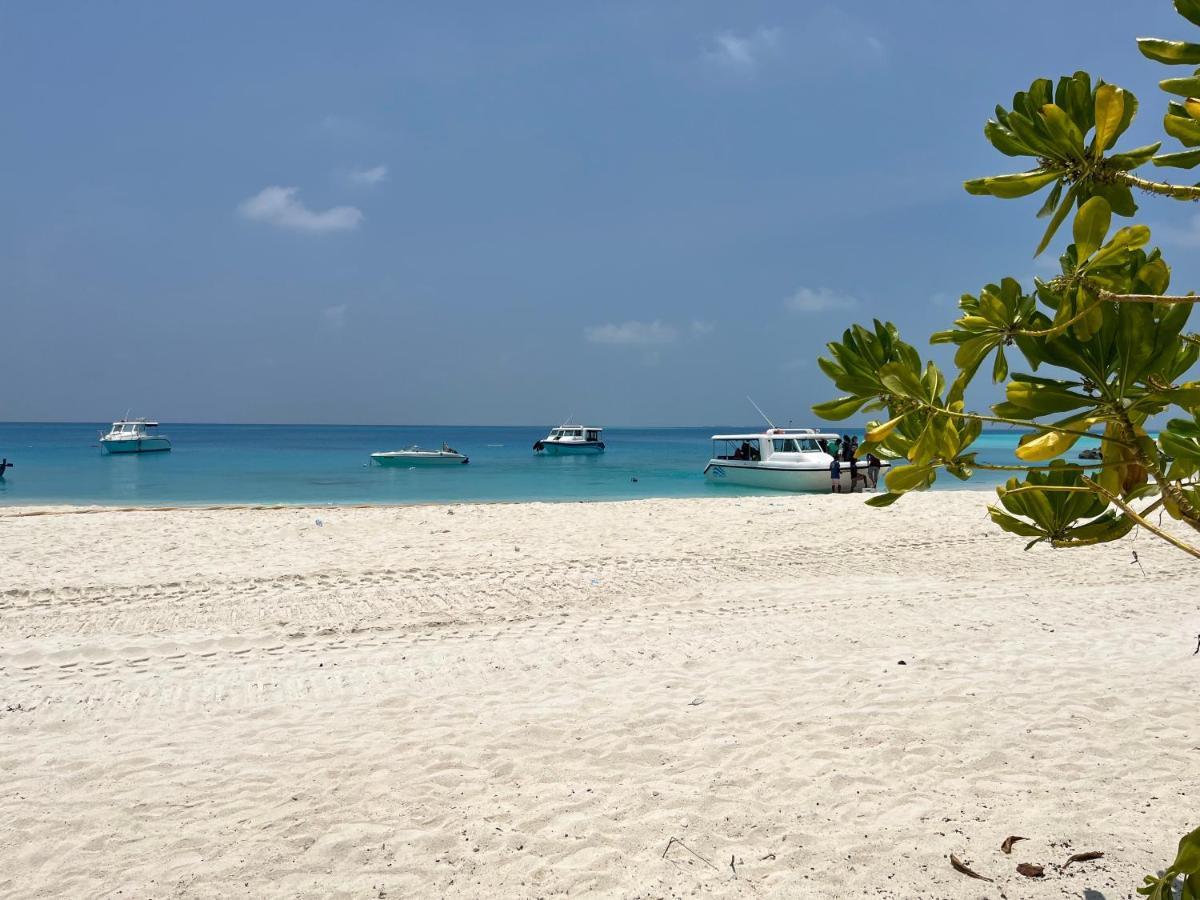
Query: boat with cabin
{"x": 133, "y": 436}
{"x": 417, "y": 456}
{"x": 570, "y": 439}
{"x": 4, "y": 465}
{"x": 780, "y": 459}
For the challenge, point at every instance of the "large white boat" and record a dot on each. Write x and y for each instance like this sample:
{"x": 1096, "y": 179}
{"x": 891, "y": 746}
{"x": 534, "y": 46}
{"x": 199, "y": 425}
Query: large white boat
{"x": 570, "y": 439}
{"x": 781, "y": 459}
{"x": 133, "y": 436}
{"x": 415, "y": 456}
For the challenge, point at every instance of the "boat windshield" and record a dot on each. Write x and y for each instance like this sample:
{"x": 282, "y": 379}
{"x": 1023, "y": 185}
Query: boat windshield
{"x": 794, "y": 445}
{"x": 737, "y": 448}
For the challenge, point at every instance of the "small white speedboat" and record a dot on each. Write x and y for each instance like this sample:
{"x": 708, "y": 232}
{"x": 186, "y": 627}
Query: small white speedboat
{"x": 416, "y": 456}
{"x": 782, "y": 459}
{"x": 570, "y": 439}
{"x": 133, "y": 436}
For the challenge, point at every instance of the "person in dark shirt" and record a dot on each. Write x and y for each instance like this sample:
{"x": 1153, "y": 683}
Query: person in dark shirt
{"x": 873, "y": 465}
{"x": 835, "y": 476}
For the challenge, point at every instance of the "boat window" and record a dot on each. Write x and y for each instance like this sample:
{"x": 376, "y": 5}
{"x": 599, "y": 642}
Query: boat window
{"x": 593, "y": 435}
{"x": 809, "y": 445}
{"x": 784, "y": 445}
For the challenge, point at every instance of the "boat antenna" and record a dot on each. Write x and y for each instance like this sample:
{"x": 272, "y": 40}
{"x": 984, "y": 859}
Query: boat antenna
{"x": 760, "y": 412}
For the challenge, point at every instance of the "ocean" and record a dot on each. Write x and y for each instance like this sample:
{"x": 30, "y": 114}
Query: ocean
{"x": 61, "y": 463}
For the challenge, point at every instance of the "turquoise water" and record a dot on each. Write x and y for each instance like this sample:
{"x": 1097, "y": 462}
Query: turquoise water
{"x": 319, "y": 464}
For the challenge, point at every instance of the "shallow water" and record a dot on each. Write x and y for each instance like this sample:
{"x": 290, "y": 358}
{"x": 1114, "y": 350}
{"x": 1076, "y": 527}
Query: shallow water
{"x": 319, "y": 464}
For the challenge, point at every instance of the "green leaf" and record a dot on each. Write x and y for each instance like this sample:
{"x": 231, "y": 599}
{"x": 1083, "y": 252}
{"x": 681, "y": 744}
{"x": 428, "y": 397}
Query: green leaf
{"x": 1091, "y": 226}
{"x": 1005, "y": 141}
{"x": 878, "y": 433}
{"x": 1014, "y": 525}
{"x": 883, "y": 500}
{"x": 1009, "y": 187}
{"x": 1187, "y": 861}
{"x": 841, "y": 408}
{"x": 1043, "y": 447}
{"x": 1169, "y": 52}
{"x": 1131, "y": 159}
{"x": 1068, "y": 202}
{"x": 1185, "y": 159}
{"x": 1065, "y": 134}
{"x": 1119, "y": 197}
{"x": 1183, "y": 87}
{"x": 1051, "y": 200}
{"x": 1189, "y": 9}
{"x": 901, "y": 479}
{"x": 1110, "y": 109}
{"x": 1184, "y": 129}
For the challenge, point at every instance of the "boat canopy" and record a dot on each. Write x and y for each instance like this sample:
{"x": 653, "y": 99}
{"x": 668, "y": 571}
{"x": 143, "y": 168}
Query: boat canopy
{"x": 779, "y": 432}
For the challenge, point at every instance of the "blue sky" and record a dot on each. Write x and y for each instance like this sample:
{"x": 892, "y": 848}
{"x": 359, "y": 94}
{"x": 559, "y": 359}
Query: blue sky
{"x": 501, "y": 213}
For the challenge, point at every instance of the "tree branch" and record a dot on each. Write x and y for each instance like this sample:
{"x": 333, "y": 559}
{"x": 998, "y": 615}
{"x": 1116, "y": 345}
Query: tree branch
{"x": 1137, "y": 517}
{"x": 1163, "y": 188}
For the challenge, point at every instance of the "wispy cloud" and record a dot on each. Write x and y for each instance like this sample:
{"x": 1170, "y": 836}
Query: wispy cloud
{"x": 334, "y": 317}
{"x": 745, "y": 52}
{"x": 280, "y": 206}
{"x": 367, "y": 177}
{"x": 810, "y": 300}
{"x": 632, "y": 334}
{"x": 699, "y": 328}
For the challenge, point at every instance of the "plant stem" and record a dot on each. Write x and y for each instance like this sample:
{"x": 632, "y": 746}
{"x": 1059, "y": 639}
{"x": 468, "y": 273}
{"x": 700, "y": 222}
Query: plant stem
{"x": 1138, "y": 517}
{"x": 1037, "y": 426}
{"x": 1166, "y": 189}
{"x": 1144, "y": 298}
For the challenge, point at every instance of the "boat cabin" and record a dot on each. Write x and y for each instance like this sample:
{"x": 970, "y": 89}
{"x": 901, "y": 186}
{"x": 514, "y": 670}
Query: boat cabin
{"x": 764, "y": 445}
{"x": 573, "y": 433}
{"x": 130, "y": 428}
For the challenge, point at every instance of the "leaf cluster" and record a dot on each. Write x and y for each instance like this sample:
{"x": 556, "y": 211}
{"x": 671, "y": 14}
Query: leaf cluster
{"x": 1185, "y": 868}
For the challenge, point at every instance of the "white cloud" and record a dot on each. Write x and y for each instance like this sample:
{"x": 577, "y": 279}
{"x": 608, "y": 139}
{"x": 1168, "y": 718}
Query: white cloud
{"x": 280, "y": 206}
{"x": 808, "y": 300}
{"x": 367, "y": 177}
{"x": 743, "y": 52}
{"x": 631, "y": 334}
{"x": 335, "y": 316}
{"x": 699, "y": 329}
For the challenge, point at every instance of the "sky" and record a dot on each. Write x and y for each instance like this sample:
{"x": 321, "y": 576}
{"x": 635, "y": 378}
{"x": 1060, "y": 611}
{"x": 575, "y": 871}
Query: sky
{"x": 486, "y": 213}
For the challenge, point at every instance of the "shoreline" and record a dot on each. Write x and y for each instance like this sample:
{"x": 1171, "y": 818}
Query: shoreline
{"x": 534, "y": 698}
{"x": 35, "y": 509}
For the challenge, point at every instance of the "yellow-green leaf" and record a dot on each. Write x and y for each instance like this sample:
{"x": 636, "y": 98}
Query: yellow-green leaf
{"x": 1110, "y": 108}
{"x": 881, "y": 432}
{"x": 1091, "y": 225}
{"x": 1046, "y": 446}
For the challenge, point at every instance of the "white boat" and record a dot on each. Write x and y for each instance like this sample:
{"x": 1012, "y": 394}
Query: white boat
{"x": 780, "y": 459}
{"x": 570, "y": 439}
{"x": 133, "y": 436}
{"x": 416, "y": 456}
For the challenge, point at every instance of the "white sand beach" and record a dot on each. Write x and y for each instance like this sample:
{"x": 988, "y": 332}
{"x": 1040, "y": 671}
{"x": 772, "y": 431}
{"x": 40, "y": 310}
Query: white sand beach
{"x": 814, "y": 698}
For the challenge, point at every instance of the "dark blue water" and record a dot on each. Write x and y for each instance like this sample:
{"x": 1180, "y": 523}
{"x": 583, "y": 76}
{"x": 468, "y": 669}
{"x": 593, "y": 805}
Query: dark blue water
{"x": 318, "y": 464}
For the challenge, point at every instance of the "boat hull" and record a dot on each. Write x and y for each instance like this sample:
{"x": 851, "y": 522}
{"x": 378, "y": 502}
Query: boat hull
{"x": 138, "y": 445}
{"x": 551, "y": 448}
{"x": 797, "y": 480}
{"x": 405, "y": 462}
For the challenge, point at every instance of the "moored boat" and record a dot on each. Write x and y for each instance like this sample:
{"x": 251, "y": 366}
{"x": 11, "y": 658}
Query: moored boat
{"x": 570, "y": 439}
{"x": 780, "y": 459}
{"x": 4, "y": 465}
{"x": 133, "y": 436}
{"x": 416, "y": 456}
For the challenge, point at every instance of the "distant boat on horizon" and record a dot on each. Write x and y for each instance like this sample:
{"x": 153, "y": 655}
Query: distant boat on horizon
{"x": 133, "y": 436}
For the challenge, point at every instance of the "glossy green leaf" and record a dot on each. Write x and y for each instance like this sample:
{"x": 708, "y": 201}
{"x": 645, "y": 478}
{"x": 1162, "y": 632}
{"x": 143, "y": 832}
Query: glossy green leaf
{"x": 842, "y": 408}
{"x": 1184, "y": 129}
{"x": 1014, "y": 525}
{"x": 1169, "y": 52}
{"x": 1008, "y": 187}
{"x": 901, "y": 479}
{"x": 1065, "y": 134}
{"x": 1091, "y": 226}
{"x": 1185, "y": 159}
{"x": 1189, "y": 9}
{"x": 1110, "y": 109}
{"x": 881, "y": 500}
{"x": 1057, "y": 220}
{"x": 1183, "y": 87}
